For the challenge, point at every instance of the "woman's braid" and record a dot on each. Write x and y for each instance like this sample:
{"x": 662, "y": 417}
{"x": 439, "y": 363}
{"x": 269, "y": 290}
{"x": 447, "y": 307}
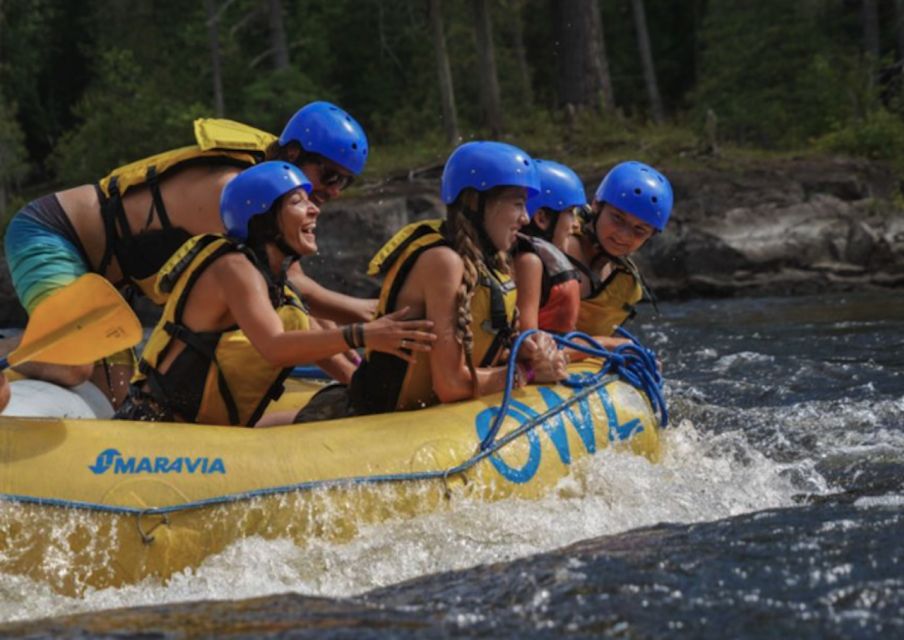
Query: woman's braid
{"x": 464, "y": 241}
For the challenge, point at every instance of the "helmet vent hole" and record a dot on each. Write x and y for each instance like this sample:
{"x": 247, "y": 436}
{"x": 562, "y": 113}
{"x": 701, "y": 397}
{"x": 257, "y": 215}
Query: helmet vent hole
{"x": 654, "y": 199}
{"x": 526, "y": 163}
{"x": 354, "y": 145}
{"x": 637, "y": 191}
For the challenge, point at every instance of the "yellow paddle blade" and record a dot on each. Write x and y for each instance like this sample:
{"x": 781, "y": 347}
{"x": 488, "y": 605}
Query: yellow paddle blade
{"x": 79, "y": 324}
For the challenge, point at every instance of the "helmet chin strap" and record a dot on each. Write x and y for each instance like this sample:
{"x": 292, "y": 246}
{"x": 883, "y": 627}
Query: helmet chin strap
{"x": 589, "y": 228}
{"x": 283, "y": 246}
{"x": 476, "y": 218}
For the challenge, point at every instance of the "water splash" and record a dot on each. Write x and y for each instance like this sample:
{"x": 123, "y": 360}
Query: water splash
{"x": 701, "y": 477}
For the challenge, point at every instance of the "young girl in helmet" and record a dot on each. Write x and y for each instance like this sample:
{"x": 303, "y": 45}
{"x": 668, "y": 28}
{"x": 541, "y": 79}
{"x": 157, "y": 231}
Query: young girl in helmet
{"x": 549, "y": 292}
{"x": 455, "y": 273}
{"x": 232, "y": 327}
{"x": 632, "y": 203}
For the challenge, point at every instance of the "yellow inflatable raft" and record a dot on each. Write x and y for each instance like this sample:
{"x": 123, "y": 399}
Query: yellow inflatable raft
{"x": 94, "y": 503}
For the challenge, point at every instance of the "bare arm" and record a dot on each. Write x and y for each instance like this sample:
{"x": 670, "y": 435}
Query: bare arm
{"x": 529, "y": 278}
{"x": 332, "y": 305}
{"x": 451, "y": 377}
{"x": 4, "y": 391}
{"x": 245, "y": 295}
{"x": 341, "y": 366}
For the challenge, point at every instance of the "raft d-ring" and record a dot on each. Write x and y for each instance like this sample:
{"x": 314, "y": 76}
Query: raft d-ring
{"x": 146, "y": 536}
{"x": 447, "y": 489}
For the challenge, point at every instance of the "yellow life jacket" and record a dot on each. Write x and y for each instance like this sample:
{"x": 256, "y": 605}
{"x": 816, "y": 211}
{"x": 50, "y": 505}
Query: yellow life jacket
{"x": 387, "y": 383}
{"x": 611, "y": 301}
{"x": 140, "y": 255}
{"x": 219, "y": 378}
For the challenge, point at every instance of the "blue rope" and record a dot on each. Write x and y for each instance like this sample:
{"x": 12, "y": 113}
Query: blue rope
{"x": 632, "y": 362}
{"x": 314, "y": 485}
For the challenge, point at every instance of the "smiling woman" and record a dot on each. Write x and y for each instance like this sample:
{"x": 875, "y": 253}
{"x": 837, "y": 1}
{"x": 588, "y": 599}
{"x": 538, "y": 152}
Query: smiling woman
{"x": 455, "y": 273}
{"x": 233, "y": 327}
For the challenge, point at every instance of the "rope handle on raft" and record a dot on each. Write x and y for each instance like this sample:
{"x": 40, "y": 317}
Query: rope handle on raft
{"x": 632, "y": 362}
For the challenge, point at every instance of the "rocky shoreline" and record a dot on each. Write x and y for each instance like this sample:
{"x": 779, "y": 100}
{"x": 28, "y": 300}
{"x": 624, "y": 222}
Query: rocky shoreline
{"x": 773, "y": 228}
{"x": 804, "y": 225}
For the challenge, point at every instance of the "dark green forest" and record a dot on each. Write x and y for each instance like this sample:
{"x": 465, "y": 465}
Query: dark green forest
{"x": 86, "y": 86}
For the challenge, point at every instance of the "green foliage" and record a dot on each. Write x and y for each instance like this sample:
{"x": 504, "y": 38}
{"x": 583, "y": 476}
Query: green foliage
{"x": 12, "y": 146}
{"x": 879, "y": 135}
{"x": 102, "y": 82}
{"x": 271, "y": 98}
{"x": 123, "y": 119}
{"x": 770, "y": 72}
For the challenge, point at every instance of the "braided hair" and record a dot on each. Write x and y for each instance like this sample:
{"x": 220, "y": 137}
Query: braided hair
{"x": 465, "y": 241}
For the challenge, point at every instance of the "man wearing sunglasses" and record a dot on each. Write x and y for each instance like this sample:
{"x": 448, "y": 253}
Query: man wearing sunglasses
{"x": 331, "y": 148}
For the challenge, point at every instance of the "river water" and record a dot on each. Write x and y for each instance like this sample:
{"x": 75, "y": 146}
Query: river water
{"x": 777, "y": 511}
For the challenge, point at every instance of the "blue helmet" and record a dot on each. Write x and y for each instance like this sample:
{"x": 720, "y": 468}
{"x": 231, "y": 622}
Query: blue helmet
{"x": 560, "y": 188}
{"x": 484, "y": 165}
{"x": 253, "y": 192}
{"x": 325, "y": 129}
{"x": 638, "y": 189}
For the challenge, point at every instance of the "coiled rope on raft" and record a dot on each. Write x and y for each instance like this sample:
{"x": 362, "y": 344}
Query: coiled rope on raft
{"x": 631, "y": 362}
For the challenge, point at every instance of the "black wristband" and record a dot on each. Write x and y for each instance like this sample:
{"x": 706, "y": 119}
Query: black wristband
{"x": 348, "y": 334}
{"x": 359, "y": 334}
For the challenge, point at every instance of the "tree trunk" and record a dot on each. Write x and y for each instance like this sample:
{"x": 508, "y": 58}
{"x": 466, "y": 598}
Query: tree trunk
{"x": 486, "y": 59}
{"x": 599, "y": 61}
{"x": 516, "y": 10}
{"x": 278, "y": 36}
{"x": 583, "y": 68}
{"x": 4, "y": 153}
{"x": 899, "y": 28}
{"x": 646, "y": 58}
{"x": 444, "y": 73}
{"x": 213, "y": 41}
{"x": 871, "y": 38}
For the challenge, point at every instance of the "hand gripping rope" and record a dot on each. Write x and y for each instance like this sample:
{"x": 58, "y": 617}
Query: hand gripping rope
{"x": 632, "y": 362}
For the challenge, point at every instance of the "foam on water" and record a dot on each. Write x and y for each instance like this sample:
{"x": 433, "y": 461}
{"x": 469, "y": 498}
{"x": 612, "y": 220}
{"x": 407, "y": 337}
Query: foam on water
{"x": 701, "y": 477}
{"x": 775, "y": 399}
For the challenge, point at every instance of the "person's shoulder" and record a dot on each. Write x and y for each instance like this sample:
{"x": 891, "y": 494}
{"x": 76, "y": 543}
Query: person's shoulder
{"x": 438, "y": 268}
{"x": 441, "y": 256}
{"x": 232, "y": 264}
{"x": 573, "y": 248}
{"x": 527, "y": 259}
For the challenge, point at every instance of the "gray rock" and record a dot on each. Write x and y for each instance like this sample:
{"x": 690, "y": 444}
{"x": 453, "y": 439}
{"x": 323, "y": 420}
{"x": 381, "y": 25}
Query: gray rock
{"x": 780, "y": 227}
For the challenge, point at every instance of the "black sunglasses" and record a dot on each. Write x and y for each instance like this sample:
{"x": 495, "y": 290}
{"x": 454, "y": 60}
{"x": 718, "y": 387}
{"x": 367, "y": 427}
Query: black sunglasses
{"x": 330, "y": 177}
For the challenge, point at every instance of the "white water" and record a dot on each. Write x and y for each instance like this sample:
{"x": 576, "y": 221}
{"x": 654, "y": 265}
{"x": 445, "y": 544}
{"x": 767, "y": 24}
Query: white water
{"x": 700, "y": 478}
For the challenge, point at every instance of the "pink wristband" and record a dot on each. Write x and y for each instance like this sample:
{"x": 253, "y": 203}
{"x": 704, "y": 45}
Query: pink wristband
{"x": 525, "y": 374}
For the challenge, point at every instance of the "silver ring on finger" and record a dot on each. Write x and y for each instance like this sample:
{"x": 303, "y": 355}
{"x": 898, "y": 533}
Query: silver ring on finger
{"x": 402, "y": 344}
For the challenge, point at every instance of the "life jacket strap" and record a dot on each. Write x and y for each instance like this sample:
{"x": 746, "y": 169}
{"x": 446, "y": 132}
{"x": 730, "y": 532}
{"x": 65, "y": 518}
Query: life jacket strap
{"x": 153, "y": 182}
{"x": 499, "y": 323}
{"x": 191, "y": 340}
